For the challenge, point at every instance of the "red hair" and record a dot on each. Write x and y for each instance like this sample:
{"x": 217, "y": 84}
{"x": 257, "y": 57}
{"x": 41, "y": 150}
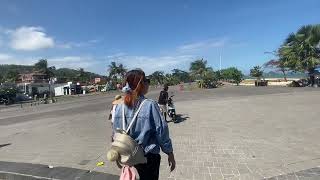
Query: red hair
{"x": 135, "y": 80}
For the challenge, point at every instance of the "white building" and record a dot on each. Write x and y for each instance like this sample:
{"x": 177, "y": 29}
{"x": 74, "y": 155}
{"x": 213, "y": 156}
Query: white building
{"x": 62, "y": 89}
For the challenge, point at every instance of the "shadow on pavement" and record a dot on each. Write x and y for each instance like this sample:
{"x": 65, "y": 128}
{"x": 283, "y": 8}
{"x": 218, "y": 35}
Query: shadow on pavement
{"x": 181, "y": 118}
{"x": 3, "y": 145}
{"x": 12, "y": 170}
{"x": 307, "y": 174}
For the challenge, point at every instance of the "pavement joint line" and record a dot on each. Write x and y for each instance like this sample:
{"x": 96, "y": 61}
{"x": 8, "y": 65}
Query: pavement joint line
{"x": 94, "y": 168}
{"x": 303, "y": 161}
{"x": 27, "y": 175}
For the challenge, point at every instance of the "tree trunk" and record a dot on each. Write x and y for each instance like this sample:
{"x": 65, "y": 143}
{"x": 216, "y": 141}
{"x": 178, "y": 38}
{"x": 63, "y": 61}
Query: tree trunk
{"x": 311, "y": 76}
{"x": 284, "y": 75}
{"x": 312, "y": 80}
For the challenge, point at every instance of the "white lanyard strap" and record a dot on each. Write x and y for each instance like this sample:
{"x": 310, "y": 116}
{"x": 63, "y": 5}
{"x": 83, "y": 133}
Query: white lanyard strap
{"x": 133, "y": 119}
{"x": 123, "y": 118}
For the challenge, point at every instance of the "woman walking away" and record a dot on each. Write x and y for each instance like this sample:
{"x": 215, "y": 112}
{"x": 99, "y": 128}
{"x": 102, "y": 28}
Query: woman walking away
{"x": 141, "y": 119}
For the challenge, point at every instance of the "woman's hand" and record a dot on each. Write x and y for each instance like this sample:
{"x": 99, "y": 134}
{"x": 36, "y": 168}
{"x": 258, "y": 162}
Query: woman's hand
{"x": 119, "y": 165}
{"x": 171, "y": 161}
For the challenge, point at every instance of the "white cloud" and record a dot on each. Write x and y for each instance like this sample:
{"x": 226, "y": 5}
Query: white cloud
{"x": 9, "y": 59}
{"x": 30, "y": 39}
{"x": 4, "y": 57}
{"x": 116, "y": 56}
{"x": 179, "y": 57}
{"x": 99, "y": 65}
{"x": 203, "y": 45}
{"x": 94, "y": 41}
{"x": 2, "y": 31}
{"x": 69, "y": 45}
{"x": 73, "y": 62}
{"x": 151, "y": 64}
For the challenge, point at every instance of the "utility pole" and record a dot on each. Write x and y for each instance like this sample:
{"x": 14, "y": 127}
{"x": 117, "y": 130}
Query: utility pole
{"x": 220, "y": 60}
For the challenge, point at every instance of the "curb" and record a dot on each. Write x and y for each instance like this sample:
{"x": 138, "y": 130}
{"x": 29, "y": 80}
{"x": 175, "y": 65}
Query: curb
{"x": 22, "y": 171}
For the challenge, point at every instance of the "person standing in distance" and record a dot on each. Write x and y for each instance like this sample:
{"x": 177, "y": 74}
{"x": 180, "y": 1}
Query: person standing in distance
{"x": 163, "y": 100}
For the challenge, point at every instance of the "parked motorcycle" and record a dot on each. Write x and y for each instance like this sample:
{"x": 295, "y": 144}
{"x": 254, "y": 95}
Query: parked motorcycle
{"x": 171, "y": 109}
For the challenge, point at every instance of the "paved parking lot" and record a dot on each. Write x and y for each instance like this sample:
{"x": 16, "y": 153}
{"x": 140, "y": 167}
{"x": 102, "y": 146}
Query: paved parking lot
{"x": 224, "y": 133}
{"x": 248, "y": 137}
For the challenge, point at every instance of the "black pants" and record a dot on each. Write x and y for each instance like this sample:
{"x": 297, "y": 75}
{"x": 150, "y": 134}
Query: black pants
{"x": 150, "y": 170}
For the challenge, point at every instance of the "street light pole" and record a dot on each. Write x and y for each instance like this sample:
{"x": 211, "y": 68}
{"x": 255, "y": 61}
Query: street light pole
{"x": 220, "y": 61}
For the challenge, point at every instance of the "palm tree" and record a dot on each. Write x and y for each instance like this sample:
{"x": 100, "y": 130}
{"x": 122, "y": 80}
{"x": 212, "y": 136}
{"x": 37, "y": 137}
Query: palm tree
{"x": 158, "y": 77}
{"x": 116, "y": 72}
{"x": 81, "y": 76}
{"x": 279, "y": 65}
{"x": 257, "y": 72}
{"x": 181, "y": 75}
{"x": 51, "y": 71}
{"x": 42, "y": 67}
{"x": 301, "y": 50}
{"x": 198, "y": 67}
{"x": 209, "y": 77}
{"x": 231, "y": 74}
{"x": 12, "y": 76}
{"x": 205, "y": 75}
{"x": 1, "y": 79}
{"x": 122, "y": 71}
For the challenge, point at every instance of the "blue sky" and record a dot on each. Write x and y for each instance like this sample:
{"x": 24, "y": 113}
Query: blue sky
{"x": 153, "y": 35}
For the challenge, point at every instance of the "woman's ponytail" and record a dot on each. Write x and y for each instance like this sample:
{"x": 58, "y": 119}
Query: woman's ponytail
{"x": 134, "y": 87}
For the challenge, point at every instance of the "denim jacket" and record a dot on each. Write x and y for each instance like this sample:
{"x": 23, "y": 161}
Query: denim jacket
{"x": 150, "y": 130}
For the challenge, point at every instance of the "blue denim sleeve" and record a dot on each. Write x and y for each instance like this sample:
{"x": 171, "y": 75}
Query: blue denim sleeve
{"x": 116, "y": 123}
{"x": 162, "y": 130}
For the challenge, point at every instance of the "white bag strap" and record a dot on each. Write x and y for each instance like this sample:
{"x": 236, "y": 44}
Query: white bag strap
{"x": 133, "y": 119}
{"x": 113, "y": 113}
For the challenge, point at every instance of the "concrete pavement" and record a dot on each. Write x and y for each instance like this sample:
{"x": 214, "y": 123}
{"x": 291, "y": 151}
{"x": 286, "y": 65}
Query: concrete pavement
{"x": 22, "y": 171}
{"x": 251, "y": 137}
{"x": 225, "y": 133}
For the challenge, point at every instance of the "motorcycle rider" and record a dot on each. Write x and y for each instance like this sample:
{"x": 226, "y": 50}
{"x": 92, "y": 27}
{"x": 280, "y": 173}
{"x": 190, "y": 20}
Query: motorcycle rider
{"x": 163, "y": 100}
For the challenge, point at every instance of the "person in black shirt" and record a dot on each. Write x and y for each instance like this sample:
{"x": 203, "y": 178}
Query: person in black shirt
{"x": 163, "y": 101}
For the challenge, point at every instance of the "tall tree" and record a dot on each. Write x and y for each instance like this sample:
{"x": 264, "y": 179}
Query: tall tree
{"x": 182, "y": 76}
{"x": 208, "y": 78}
{"x": 279, "y": 65}
{"x": 82, "y": 76}
{"x": 301, "y": 50}
{"x": 197, "y": 68}
{"x": 42, "y": 67}
{"x": 256, "y": 72}
{"x": 205, "y": 75}
{"x": 12, "y": 76}
{"x": 158, "y": 77}
{"x": 1, "y": 79}
{"x": 232, "y": 74}
{"x": 116, "y": 72}
{"x": 51, "y": 71}
{"x": 122, "y": 71}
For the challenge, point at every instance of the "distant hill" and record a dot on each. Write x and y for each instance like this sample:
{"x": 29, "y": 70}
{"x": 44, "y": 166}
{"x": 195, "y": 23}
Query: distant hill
{"x": 64, "y": 74}
{"x": 5, "y": 68}
{"x": 71, "y": 74}
{"x": 272, "y": 74}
